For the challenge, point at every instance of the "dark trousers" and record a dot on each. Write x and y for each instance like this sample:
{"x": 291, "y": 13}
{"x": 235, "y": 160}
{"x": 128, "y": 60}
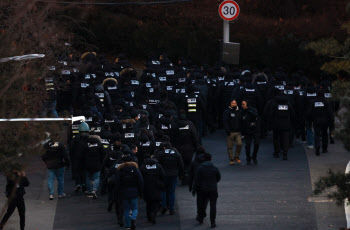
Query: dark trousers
{"x": 80, "y": 177}
{"x": 321, "y": 132}
{"x": 280, "y": 140}
{"x": 152, "y": 207}
{"x": 202, "y": 202}
{"x": 300, "y": 131}
{"x": 13, "y": 204}
{"x": 248, "y": 142}
{"x": 119, "y": 210}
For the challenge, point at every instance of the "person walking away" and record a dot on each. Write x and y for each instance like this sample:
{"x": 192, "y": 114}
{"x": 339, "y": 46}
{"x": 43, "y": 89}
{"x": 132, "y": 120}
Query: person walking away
{"x": 232, "y": 120}
{"x": 321, "y": 115}
{"x": 205, "y": 185}
{"x": 56, "y": 159}
{"x": 172, "y": 163}
{"x": 94, "y": 155}
{"x": 282, "y": 119}
{"x": 16, "y": 182}
{"x": 78, "y": 145}
{"x": 130, "y": 183}
{"x": 153, "y": 176}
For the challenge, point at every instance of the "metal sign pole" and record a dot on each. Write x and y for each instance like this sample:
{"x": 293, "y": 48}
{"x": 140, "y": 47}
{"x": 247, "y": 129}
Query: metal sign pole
{"x": 226, "y": 31}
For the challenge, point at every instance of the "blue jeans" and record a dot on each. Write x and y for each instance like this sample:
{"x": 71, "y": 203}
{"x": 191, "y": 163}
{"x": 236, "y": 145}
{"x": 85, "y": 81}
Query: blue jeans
{"x": 50, "y": 107}
{"x": 168, "y": 197}
{"x": 130, "y": 204}
{"x": 59, "y": 174}
{"x": 92, "y": 177}
{"x": 309, "y": 134}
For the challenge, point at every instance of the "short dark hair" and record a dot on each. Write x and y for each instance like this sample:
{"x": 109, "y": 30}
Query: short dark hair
{"x": 207, "y": 157}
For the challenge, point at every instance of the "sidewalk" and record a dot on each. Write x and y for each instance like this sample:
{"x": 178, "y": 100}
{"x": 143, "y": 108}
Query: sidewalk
{"x": 329, "y": 215}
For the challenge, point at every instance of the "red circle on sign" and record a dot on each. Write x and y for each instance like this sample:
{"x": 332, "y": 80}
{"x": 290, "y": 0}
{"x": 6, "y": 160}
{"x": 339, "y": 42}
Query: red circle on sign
{"x": 236, "y": 14}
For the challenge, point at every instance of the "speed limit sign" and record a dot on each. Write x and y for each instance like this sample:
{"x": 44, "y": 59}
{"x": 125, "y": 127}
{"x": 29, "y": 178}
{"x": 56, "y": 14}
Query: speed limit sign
{"x": 229, "y": 10}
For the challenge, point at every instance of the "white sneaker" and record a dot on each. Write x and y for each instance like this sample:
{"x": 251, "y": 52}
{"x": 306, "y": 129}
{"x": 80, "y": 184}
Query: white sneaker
{"x": 310, "y": 147}
{"x": 51, "y": 197}
{"x": 94, "y": 195}
{"x": 63, "y": 195}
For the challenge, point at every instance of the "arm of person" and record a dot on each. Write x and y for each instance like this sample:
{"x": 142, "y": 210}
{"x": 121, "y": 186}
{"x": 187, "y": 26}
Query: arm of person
{"x": 140, "y": 181}
{"x": 65, "y": 155}
{"x": 24, "y": 182}
{"x": 181, "y": 164}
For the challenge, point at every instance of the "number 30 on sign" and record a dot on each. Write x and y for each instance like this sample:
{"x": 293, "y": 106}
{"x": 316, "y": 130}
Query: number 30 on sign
{"x": 229, "y": 10}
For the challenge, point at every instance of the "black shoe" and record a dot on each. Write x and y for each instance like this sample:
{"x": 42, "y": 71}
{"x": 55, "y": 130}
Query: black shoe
{"x": 331, "y": 140}
{"x": 276, "y": 155}
{"x": 110, "y": 206}
{"x": 77, "y": 190}
{"x": 213, "y": 225}
{"x": 255, "y": 162}
{"x": 121, "y": 223}
{"x": 133, "y": 227}
{"x": 248, "y": 163}
{"x": 172, "y": 212}
{"x": 153, "y": 218}
{"x": 163, "y": 210}
{"x": 317, "y": 152}
{"x": 285, "y": 158}
{"x": 200, "y": 221}
{"x": 324, "y": 151}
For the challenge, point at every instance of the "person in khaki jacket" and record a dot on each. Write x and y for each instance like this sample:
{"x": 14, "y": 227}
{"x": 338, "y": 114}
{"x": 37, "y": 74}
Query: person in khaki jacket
{"x": 232, "y": 124}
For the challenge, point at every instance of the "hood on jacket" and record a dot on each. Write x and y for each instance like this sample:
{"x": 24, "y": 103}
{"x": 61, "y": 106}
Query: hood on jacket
{"x": 110, "y": 79}
{"x": 127, "y": 164}
{"x": 150, "y": 161}
{"x": 97, "y": 138}
{"x": 99, "y": 89}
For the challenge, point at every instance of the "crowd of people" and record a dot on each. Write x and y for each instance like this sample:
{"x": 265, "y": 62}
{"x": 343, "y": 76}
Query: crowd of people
{"x": 143, "y": 133}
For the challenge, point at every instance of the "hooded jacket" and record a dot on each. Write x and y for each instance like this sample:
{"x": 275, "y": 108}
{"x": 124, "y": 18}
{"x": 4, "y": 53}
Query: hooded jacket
{"x": 94, "y": 154}
{"x": 282, "y": 114}
{"x": 129, "y": 181}
{"x": 153, "y": 176}
{"x": 207, "y": 178}
{"x": 56, "y": 155}
{"x": 171, "y": 161}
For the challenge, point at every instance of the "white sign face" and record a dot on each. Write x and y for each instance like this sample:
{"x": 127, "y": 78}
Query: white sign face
{"x": 229, "y": 10}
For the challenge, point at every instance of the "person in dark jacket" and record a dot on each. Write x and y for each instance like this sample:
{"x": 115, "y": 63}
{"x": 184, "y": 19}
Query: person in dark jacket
{"x": 198, "y": 160}
{"x": 185, "y": 139}
{"x": 153, "y": 176}
{"x": 321, "y": 115}
{"x": 232, "y": 120}
{"x": 56, "y": 159}
{"x": 172, "y": 163}
{"x": 77, "y": 148}
{"x": 130, "y": 185}
{"x": 205, "y": 185}
{"x": 94, "y": 155}
{"x": 250, "y": 130}
{"x": 16, "y": 182}
{"x": 282, "y": 118}
{"x": 107, "y": 164}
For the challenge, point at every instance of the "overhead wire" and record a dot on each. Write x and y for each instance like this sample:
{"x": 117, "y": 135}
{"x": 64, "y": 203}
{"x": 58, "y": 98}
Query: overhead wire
{"x": 116, "y": 3}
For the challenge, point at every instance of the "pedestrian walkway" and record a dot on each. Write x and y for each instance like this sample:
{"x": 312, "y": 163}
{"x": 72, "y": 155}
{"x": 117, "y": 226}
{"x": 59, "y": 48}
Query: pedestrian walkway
{"x": 272, "y": 195}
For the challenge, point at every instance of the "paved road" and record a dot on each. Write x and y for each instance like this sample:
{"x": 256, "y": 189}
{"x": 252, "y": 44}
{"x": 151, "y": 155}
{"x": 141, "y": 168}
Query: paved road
{"x": 272, "y": 195}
